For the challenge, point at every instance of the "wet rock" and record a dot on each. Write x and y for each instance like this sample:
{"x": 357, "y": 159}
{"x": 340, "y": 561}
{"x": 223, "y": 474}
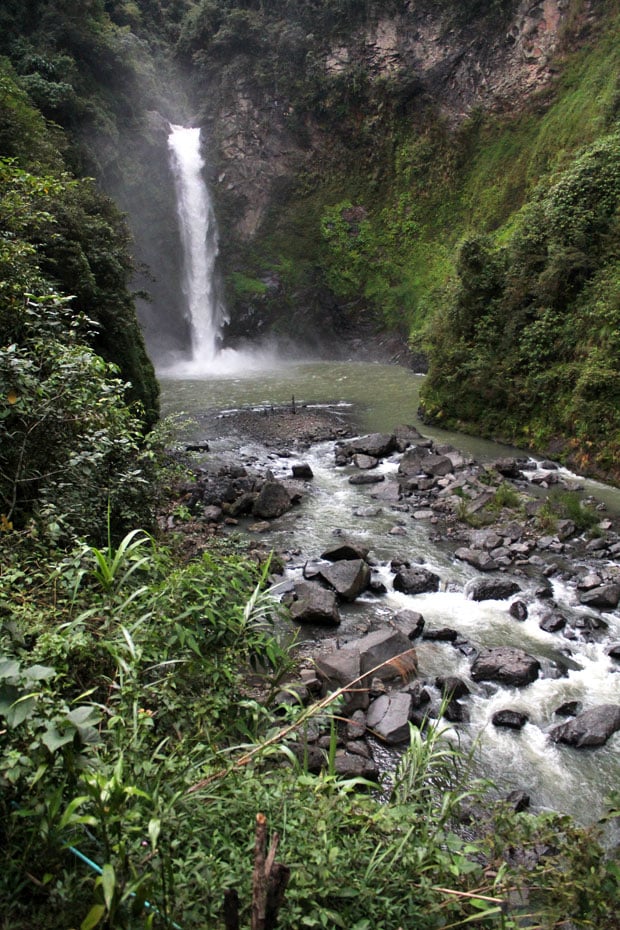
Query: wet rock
{"x": 353, "y": 765}
{"x": 314, "y": 604}
{"x": 451, "y": 687}
{"x": 418, "y": 693}
{"x": 302, "y": 472}
{"x": 347, "y": 549}
{"x": 605, "y": 597}
{"x": 518, "y": 800}
{"x": 365, "y": 462}
{"x": 507, "y": 467}
{"x": 590, "y": 728}
{"x": 415, "y": 581}
{"x": 455, "y": 712}
{"x": 552, "y": 622}
{"x": 356, "y": 725}
{"x": 568, "y": 709}
{"x": 212, "y": 513}
{"x": 376, "y": 445}
{"x": 476, "y": 557}
{"x": 389, "y": 649}
{"x": 511, "y": 719}
{"x": 272, "y": 501}
{"x": 444, "y": 634}
{"x": 366, "y": 478}
{"x": 518, "y": 610}
{"x": 410, "y": 622}
{"x": 614, "y": 651}
{"x": 245, "y": 503}
{"x": 484, "y": 589}
{"x": 506, "y": 665}
{"x": 348, "y": 577}
{"x": 388, "y": 717}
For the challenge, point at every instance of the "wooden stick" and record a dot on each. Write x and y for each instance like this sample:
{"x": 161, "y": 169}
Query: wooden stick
{"x": 259, "y": 878}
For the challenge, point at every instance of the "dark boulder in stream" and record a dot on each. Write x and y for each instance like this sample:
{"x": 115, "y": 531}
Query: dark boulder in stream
{"x": 591, "y": 728}
{"x": 348, "y": 577}
{"x": 605, "y": 597}
{"x": 416, "y": 581}
{"x": 272, "y": 501}
{"x": 486, "y": 589}
{"x": 505, "y": 665}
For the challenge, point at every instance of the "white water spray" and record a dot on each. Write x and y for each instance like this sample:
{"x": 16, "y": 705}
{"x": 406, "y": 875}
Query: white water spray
{"x": 199, "y": 241}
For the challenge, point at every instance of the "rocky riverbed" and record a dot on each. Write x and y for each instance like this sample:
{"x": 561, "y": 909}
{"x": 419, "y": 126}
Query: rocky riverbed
{"x": 517, "y": 525}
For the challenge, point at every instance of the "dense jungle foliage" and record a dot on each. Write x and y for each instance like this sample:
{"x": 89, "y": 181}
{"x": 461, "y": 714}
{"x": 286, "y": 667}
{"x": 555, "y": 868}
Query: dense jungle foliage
{"x": 133, "y": 759}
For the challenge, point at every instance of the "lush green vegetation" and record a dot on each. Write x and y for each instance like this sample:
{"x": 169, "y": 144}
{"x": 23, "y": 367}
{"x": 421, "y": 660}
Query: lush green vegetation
{"x": 126, "y": 779}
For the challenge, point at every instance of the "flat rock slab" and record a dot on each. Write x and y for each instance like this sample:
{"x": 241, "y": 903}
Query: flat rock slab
{"x": 388, "y": 717}
{"x": 348, "y": 577}
{"x": 505, "y": 665}
{"x": 591, "y": 728}
{"x": 486, "y": 589}
{"x": 314, "y": 604}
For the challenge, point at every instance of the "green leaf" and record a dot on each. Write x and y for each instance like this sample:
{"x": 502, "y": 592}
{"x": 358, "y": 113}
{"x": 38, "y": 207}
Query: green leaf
{"x": 69, "y": 816}
{"x": 39, "y": 672}
{"x": 108, "y": 881}
{"x": 154, "y": 831}
{"x": 93, "y": 917}
{"x": 9, "y": 668}
{"x": 54, "y": 739}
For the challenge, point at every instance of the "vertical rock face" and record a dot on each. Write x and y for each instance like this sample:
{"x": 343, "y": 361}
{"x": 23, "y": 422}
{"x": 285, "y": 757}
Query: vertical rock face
{"x": 432, "y": 51}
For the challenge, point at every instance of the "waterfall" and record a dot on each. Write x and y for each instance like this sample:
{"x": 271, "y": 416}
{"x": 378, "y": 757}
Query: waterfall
{"x": 200, "y": 246}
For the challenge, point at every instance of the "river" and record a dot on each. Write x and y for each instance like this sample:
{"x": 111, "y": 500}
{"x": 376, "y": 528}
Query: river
{"x": 377, "y": 397}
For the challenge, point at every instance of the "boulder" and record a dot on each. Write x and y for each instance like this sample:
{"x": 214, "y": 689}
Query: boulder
{"x": 339, "y": 667}
{"x": 552, "y": 622}
{"x": 366, "y": 478}
{"x": 364, "y": 462}
{"x": 302, "y": 472}
{"x": 507, "y": 467}
{"x": 511, "y": 719}
{"x": 415, "y": 581}
{"x": 451, "y": 687}
{"x": 444, "y": 634}
{"x": 518, "y": 610}
{"x": 388, "y": 717}
{"x": 353, "y": 765}
{"x": 605, "y": 597}
{"x": 314, "y": 604}
{"x": 591, "y": 728}
{"x": 410, "y": 622}
{"x": 476, "y": 557}
{"x": 506, "y": 665}
{"x": 390, "y": 647}
{"x": 376, "y": 445}
{"x": 272, "y": 501}
{"x": 347, "y": 549}
{"x": 348, "y": 577}
{"x": 485, "y": 589}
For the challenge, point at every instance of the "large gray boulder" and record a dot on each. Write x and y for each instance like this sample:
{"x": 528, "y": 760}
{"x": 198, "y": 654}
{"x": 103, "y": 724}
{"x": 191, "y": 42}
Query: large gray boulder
{"x": 476, "y": 557}
{"x": 388, "y": 717}
{"x": 605, "y": 597}
{"x": 377, "y": 445}
{"x": 591, "y": 728}
{"x": 314, "y": 604}
{"x": 486, "y": 589}
{"x": 272, "y": 501}
{"x": 415, "y": 580}
{"x": 348, "y": 577}
{"x": 389, "y": 649}
{"x": 506, "y": 665}
{"x": 346, "y": 549}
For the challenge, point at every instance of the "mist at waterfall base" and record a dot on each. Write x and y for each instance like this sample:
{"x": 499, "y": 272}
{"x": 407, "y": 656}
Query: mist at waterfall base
{"x": 204, "y": 310}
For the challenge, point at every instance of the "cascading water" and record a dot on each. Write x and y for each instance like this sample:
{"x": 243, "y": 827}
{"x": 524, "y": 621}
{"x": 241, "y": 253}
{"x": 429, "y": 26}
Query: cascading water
{"x": 199, "y": 241}
{"x": 198, "y": 229}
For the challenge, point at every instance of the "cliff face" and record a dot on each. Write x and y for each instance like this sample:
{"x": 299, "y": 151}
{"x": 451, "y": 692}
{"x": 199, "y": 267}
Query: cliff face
{"x": 422, "y": 52}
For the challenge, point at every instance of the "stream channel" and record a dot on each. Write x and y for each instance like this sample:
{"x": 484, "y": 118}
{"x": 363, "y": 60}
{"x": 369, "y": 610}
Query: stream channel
{"x": 376, "y": 397}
